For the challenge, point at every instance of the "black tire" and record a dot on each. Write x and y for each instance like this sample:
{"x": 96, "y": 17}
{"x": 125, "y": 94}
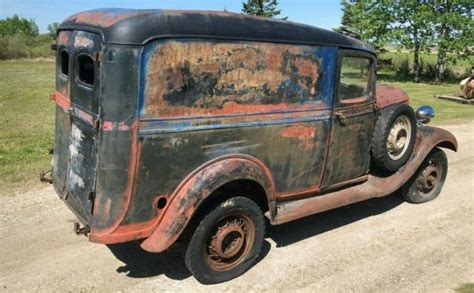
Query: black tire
{"x": 428, "y": 180}
{"x": 238, "y": 224}
{"x": 393, "y": 144}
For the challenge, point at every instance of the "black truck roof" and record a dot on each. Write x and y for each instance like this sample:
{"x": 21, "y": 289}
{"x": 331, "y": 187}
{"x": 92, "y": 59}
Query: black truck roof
{"x": 137, "y": 27}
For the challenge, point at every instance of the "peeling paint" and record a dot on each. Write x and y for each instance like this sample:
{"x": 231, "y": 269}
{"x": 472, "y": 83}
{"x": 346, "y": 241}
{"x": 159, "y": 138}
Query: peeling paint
{"x": 304, "y": 133}
{"x": 196, "y": 78}
{"x": 80, "y": 41}
{"x": 76, "y": 158}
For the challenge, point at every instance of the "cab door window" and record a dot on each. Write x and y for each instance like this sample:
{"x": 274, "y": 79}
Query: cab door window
{"x": 355, "y": 78}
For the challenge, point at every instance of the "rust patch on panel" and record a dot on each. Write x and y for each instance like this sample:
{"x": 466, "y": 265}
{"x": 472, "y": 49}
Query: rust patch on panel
{"x": 304, "y": 133}
{"x": 80, "y": 41}
{"x": 200, "y": 78}
{"x": 387, "y": 95}
{"x": 63, "y": 37}
{"x": 99, "y": 18}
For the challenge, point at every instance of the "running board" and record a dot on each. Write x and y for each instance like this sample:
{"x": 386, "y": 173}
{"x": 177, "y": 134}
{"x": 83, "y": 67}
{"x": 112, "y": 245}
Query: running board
{"x": 376, "y": 185}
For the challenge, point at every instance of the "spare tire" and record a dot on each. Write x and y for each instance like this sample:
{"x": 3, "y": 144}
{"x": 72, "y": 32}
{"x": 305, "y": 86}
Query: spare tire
{"x": 394, "y": 137}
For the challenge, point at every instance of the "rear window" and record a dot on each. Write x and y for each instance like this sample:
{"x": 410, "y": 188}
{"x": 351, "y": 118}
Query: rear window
{"x": 85, "y": 69}
{"x": 64, "y": 62}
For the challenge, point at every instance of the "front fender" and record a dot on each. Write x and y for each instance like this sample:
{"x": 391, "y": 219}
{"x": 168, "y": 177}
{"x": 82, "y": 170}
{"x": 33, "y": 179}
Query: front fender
{"x": 197, "y": 187}
{"x": 438, "y": 137}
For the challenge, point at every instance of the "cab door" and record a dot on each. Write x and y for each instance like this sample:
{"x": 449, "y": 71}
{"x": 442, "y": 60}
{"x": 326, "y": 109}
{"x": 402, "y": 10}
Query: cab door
{"x": 353, "y": 119}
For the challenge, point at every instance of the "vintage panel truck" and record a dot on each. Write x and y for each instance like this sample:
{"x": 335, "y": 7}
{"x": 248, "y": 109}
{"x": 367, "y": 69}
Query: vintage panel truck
{"x": 195, "y": 125}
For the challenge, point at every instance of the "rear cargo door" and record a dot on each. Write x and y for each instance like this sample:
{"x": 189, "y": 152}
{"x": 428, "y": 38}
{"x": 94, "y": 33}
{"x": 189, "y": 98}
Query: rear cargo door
{"x": 84, "y": 117}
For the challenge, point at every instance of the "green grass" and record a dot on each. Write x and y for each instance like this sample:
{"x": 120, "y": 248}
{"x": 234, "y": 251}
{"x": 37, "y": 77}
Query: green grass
{"x": 26, "y": 122}
{"x": 423, "y": 94}
{"x": 465, "y": 288}
{"x": 27, "y": 118}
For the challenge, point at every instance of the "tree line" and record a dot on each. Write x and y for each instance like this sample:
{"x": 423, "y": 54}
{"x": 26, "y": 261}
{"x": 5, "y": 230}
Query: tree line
{"x": 443, "y": 27}
{"x": 20, "y": 38}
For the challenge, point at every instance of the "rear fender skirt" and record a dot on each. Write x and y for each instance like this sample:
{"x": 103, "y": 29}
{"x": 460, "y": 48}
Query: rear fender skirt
{"x": 197, "y": 187}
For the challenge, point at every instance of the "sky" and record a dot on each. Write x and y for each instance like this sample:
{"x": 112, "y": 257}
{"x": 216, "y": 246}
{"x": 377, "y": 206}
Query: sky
{"x": 321, "y": 13}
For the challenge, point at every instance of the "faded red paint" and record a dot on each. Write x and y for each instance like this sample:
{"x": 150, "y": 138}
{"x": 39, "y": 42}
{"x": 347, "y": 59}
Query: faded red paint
{"x": 61, "y": 101}
{"x": 63, "y": 37}
{"x": 180, "y": 73}
{"x": 301, "y": 132}
{"x": 84, "y": 116}
{"x": 230, "y": 108}
{"x": 112, "y": 126}
{"x": 305, "y": 133}
{"x": 387, "y": 95}
{"x": 358, "y": 100}
{"x": 107, "y": 126}
{"x": 100, "y": 19}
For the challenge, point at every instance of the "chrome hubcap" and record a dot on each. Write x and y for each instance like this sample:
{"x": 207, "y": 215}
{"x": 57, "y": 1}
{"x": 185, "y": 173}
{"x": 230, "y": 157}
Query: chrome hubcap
{"x": 398, "y": 138}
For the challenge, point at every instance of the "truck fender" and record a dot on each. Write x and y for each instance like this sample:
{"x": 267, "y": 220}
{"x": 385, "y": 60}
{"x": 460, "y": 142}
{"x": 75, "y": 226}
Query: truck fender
{"x": 387, "y": 95}
{"x": 197, "y": 187}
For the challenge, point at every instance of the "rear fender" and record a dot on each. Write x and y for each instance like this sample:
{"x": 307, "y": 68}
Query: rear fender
{"x": 197, "y": 187}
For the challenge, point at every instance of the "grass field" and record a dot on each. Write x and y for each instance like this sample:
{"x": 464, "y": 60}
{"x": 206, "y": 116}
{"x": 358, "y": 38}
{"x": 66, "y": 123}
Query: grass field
{"x": 26, "y": 122}
{"x": 27, "y": 118}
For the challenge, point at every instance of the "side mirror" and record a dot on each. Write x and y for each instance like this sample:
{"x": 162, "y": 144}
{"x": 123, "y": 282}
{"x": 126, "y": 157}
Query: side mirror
{"x": 424, "y": 114}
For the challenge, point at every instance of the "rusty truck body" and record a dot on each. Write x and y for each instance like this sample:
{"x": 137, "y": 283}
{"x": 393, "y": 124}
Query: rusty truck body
{"x": 166, "y": 118}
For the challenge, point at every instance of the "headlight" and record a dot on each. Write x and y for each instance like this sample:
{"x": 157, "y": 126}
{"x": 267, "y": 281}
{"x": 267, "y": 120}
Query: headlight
{"x": 424, "y": 114}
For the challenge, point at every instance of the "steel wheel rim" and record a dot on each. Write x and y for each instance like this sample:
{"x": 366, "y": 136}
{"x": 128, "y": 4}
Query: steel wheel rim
{"x": 229, "y": 242}
{"x": 430, "y": 178}
{"x": 399, "y": 137}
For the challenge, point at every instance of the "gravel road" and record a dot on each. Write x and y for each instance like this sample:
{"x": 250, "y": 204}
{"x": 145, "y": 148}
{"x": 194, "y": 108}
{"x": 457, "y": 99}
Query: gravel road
{"x": 377, "y": 245}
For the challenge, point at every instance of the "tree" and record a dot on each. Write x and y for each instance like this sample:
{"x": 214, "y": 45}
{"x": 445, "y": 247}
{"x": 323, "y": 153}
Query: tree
{"x": 368, "y": 21}
{"x": 454, "y": 26}
{"x": 16, "y": 25}
{"x": 52, "y": 29}
{"x": 265, "y": 8}
{"x": 414, "y": 28}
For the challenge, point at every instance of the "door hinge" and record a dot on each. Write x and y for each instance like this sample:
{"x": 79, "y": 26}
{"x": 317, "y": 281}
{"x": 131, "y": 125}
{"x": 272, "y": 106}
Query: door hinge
{"x": 96, "y": 123}
{"x": 98, "y": 56}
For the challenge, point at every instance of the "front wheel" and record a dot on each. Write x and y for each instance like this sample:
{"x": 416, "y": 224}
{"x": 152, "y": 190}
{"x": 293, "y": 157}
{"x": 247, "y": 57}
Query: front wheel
{"x": 226, "y": 242}
{"x": 426, "y": 183}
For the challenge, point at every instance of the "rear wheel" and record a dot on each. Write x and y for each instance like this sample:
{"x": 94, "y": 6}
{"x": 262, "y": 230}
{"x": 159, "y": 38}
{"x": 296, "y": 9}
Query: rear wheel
{"x": 426, "y": 183}
{"x": 227, "y": 241}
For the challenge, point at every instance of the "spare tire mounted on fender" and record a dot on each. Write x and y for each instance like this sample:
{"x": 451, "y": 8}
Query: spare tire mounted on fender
{"x": 394, "y": 137}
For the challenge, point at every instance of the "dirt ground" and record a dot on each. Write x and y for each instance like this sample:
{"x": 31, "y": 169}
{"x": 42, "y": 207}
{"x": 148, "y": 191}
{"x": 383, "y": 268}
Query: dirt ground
{"x": 378, "y": 245}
